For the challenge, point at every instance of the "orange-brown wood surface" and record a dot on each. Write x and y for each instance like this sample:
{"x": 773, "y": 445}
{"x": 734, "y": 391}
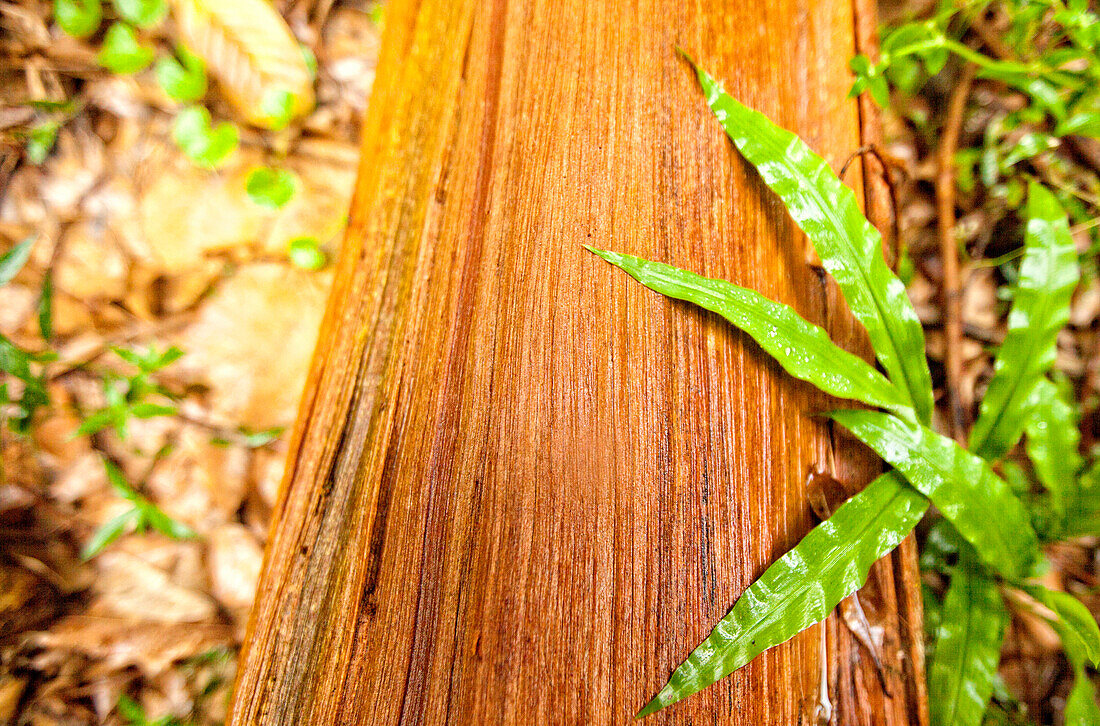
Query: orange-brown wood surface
{"x": 524, "y": 487}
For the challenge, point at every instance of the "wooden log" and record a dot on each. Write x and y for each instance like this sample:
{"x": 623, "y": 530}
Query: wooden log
{"x": 523, "y": 487}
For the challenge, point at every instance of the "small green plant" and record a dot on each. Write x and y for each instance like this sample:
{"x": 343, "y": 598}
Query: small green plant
{"x": 277, "y": 106}
{"x": 996, "y": 546}
{"x": 40, "y": 140}
{"x": 183, "y": 77}
{"x": 14, "y": 260}
{"x": 306, "y": 253}
{"x": 129, "y": 397}
{"x": 204, "y": 144}
{"x": 122, "y": 52}
{"x": 24, "y": 390}
{"x": 1047, "y": 51}
{"x": 142, "y": 13}
{"x": 269, "y": 187}
{"x": 377, "y": 13}
{"x": 132, "y": 714}
{"x": 184, "y": 80}
{"x": 143, "y": 515}
{"x": 1060, "y": 76}
{"x": 78, "y": 18}
{"x": 250, "y": 438}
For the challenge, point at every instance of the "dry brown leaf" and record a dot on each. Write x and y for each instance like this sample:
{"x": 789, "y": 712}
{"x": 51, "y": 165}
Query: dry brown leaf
{"x": 129, "y": 586}
{"x": 267, "y": 472}
{"x": 11, "y": 691}
{"x": 253, "y": 340}
{"x": 198, "y": 483}
{"x": 249, "y": 48}
{"x": 235, "y": 558}
{"x": 189, "y": 215}
{"x": 122, "y": 642}
{"x": 90, "y": 266}
{"x": 25, "y": 601}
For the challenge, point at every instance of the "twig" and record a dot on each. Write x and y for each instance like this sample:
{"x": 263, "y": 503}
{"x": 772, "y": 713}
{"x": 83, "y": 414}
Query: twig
{"x": 951, "y": 289}
{"x": 888, "y": 163}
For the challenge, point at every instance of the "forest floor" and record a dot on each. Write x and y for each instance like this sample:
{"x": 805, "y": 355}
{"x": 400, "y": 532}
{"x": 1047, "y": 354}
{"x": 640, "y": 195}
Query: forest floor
{"x": 144, "y": 250}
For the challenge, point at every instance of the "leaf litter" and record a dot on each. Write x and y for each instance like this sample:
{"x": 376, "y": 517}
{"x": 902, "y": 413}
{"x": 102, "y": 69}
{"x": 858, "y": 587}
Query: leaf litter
{"x": 146, "y": 249}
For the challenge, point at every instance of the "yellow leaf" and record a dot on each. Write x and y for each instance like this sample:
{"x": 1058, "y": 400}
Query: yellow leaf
{"x": 248, "y": 47}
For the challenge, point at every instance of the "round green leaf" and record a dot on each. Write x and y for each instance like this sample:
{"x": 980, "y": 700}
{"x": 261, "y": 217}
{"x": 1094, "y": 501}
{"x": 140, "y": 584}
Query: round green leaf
{"x": 269, "y": 187}
{"x": 121, "y": 51}
{"x": 184, "y": 80}
{"x": 306, "y": 253}
{"x": 142, "y": 13}
{"x": 277, "y": 106}
{"x": 205, "y": 145}
{"x": 78, "y": 18}
{"x": 40, "y": 141}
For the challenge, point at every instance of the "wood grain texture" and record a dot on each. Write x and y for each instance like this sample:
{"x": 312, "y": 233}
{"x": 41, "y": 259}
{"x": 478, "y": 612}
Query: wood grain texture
{"x": 524, "y": 487}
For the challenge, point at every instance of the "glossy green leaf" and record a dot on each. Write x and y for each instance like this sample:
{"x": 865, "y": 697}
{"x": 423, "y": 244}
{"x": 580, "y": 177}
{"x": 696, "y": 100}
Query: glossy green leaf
{"x": 78, "y": 18}
{"x": 968, "y": 646}
{"x": 803, "y": 349}
{"x": 1083, "y": 512}
{"x": 14, "y": 259}
{"x": 1053, "y": 438}
{"x": 1081, "y": 708}
{"x": 1074, "y": 622}
{"x": 850, "y": 248}
{"x": 802, "y": 587}
{"x": 974, "y": 499}
{"x": 1081, "y": 641}
{"x": 122, "y": 52}
{"x": 1048, "y": 275}
{"x": 184, "y": 80}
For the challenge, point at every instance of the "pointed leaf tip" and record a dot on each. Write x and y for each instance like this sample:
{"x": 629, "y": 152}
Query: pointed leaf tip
{"x": 850, "y": 248}
{"x": 686, "y": 56}
{"x": 802, "y": 348}
{"x": 656, "y": 704}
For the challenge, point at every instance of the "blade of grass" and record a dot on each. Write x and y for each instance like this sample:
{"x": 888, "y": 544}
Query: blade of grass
{"x": 968, "y": 646}
{"x": 1040, "y": 308}
{"x": 13, "y": 260}
{"x": 802, "y": 587}
{"x": 803, "y": 349}
{"x": 45, "y": 308}
{"x": 111, "y": 530}
{"x": 974, "y": 499}
{"x": 850, "y": 247}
